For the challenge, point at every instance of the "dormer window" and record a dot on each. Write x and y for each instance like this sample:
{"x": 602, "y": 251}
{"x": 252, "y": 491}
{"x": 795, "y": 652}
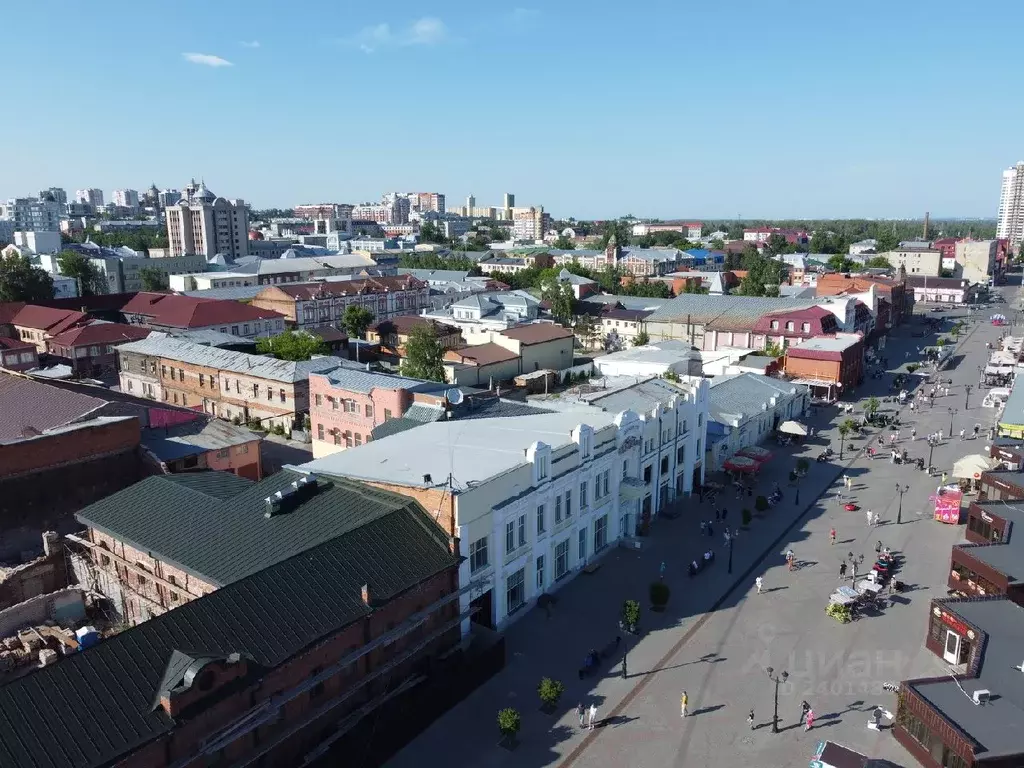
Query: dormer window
{"x": 583, "y": 436}
{"x": 539, "y": 454}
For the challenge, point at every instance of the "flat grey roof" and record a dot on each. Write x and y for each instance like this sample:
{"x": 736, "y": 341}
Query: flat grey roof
{"x": 739, "y": 396}
{"x": 997, "y": 726}
{"x": 703, "y": 309}
{"x": 828, "y": 343}
{"x": 639, "y": 398}
{"x": 471, "y": 451}
{"x": 1007, "y": 557}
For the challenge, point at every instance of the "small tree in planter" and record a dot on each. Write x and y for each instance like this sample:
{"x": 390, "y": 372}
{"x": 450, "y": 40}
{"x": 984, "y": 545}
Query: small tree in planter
{"x": 802, "y": 465}
{"x": 509, "y": 724}
{"x": 760, "y": 503}
{"x": 631, "y": 615}
{"x": 659, "y": 593}
{"x": 745, "y": 517}
{"x": 550, "y": 691}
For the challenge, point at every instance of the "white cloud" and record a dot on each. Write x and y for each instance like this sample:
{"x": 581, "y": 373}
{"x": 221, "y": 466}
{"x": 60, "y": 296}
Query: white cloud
{"x": 523, "y": 15}
{"x": 425, "y": 31}
{"x": 250, "y": 43}
{"x": 206, "y": 59}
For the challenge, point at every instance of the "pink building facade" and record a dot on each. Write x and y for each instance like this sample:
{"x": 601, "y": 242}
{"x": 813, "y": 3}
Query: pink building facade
{"x": 346, "y": 405}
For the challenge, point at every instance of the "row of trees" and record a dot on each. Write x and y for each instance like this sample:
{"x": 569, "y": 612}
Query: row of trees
{"x": 141, "y": 239}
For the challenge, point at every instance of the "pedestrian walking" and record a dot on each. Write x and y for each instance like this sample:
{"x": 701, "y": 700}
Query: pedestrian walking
{"x": 703, "y": 527}
{"x": 832, "y": 536}
{"x": 711, "y": 530}
{"x": 593, "y": 716}
{"x": 717, "y": 515}
{"x": 725, "y": 512}
{"x": 759, "y": 582}
{"x": 846, "y": 481}
{"x": 842, "y": 570}
{"x": 946, "y": 390}
{"x": 868, "y": 513}
{"x": 962, "y": 433}
{"x": 683, "y": 701}
{"x": 939, "y": 433}
{"x": 913, "y": 434}
{"x": 661, "y": 571}
{"x": 810, "y": 720}
{"x": 581, "y": 713}
{"x": 874, "y": 520}
{"x": 944, "y": 476}
{"x": 804, "y": 709}
{"x": 750, "y": 719}
{"x": 878, "y": 548}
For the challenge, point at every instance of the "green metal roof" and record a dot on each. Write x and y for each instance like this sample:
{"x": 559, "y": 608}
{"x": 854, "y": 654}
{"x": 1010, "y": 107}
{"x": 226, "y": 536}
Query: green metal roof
{"x": 92, "y": 708}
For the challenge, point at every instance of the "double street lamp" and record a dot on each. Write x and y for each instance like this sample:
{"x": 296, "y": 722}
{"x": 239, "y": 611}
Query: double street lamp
{"x": 967, "y": 397}
{"x": 778, "y": 680}
{"x": 931, "y": 447}
{"x": 900, "y": 489}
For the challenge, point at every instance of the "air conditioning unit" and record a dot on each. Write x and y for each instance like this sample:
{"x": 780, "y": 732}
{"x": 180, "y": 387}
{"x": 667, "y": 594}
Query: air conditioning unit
{"x": 982, "y": 696}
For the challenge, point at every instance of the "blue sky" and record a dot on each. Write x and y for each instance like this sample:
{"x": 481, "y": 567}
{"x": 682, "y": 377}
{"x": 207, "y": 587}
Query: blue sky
{"x": 759, "y": 108}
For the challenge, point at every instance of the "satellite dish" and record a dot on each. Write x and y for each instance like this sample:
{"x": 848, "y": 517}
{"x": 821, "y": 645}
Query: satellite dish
{"x": 453, "y": 396}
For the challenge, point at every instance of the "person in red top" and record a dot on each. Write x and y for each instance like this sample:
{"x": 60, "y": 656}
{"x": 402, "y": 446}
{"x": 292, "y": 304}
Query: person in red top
{"x": 832, "y": 536}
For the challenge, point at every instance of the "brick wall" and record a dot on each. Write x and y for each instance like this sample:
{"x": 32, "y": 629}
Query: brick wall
{"x": 302, "y": 711}
{"x": 40, "y": 576}
{"x": 43, "y": 481}
{"x": 438, "y": 502}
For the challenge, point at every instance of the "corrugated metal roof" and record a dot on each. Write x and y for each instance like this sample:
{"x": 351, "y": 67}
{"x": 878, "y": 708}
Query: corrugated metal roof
{"x": 161, "y": 345}
{"x": 364, "y": 382}
{"x": 703, "y": 309}
{"x": 741, "y": 396}
{"x": 29, "y": 408}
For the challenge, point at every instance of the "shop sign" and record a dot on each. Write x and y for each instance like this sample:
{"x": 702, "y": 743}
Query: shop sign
{"x": 955, "y": 624}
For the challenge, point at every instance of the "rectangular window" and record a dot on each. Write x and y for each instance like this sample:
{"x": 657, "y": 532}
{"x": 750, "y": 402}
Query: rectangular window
{"x": 181, "y": 375}
{"x": 202, "y": 380}
{"x": 540, "y": 573}
{"x": 368, "y": 411}
{"x": 568, "y": 503}
{"x": 510, "y": 537}
{"x": 337, "y": 437}
{"x": 387, "y": 414}
{"x": 583, "y": 495}
{"x": 625, "y": 469}
{"x": 515, "y": 591}
{"x": 561, "y": 559}
{"x": 478, "y": 555}
{"x": 600, "y": 533}
{"x": 319, "y": 400}
{"x": 558, "y": 509}
{"x": 582, "y": 545}
{"x": 542, "y": 467}
{"x": 334, "y": 403}
{"x": 255, "y": 390}
{"x": 282, "y": 397}
{"x": 664, "y": 465}
{"x": 647, "y": 473}
{"x": 522, "y": 530}
{"x": 270, "y": 394}
{"x": 681, "y": 454}
{"x": 606, "y": 477}
{"x": 540, "y": 519}
{"x": 359, "y": 439}
{"x": 320, "y": 431}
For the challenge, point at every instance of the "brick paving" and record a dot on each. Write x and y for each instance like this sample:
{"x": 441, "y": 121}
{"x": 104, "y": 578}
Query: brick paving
{"x": 717, "y": 636}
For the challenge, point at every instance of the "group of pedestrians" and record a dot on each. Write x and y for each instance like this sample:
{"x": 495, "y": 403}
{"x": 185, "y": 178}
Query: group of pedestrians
{"x": 587, "y": 715}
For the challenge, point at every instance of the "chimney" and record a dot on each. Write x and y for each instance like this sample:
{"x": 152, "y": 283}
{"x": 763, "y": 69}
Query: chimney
{"x": 365, "y": 594}
{"x": 927, "y": 216}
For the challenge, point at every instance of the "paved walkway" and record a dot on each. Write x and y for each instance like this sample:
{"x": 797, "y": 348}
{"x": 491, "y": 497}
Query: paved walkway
{"x": 719, "y": 656}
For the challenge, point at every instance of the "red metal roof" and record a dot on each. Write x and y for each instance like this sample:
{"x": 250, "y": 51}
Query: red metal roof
{"x": 12, "y": 344}
{"x": 9, "y": 309}
{"x": 188, "y": 312}
{"x": 99, "y": 333}
{"x": 52, "y": 321}
{"x": 323, "y": 289}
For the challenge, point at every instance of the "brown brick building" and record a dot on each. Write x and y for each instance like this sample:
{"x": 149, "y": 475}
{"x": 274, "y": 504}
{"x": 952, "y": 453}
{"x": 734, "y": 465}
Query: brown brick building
{"x": 330, "y": 598}
{"x": 222, "y": 383}
{"x": 992, "y": 562}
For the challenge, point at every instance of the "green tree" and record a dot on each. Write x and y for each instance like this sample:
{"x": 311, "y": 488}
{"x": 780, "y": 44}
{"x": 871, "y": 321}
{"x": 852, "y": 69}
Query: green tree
{"x": 74, "y": 264}
{"x": 840, "y": 263}
{"x": 153, "y": 279}
{"x": 776, "y": 244}
{"x": 509, "y": 722}
{"x": 587, "y": 329}
{"x": 844, "y": 429}
{"x": 764, "y": 276}
{"x": 620, "y": 229}
{"x": 717, "y": 244}
{"x": 642, "y": 339}
{"x": 431, "y": 233}
{"x": 878, "y": 262}
{"x": 561, "y": 300}
{"x": 563, "y": 243}
{"x": 21, "y": 281}
{"x": 356, "y": 320}
{"x": 609, "y": 279}
{"x": 886, "y": 241}
{"x": 424, "y": 355}
{"x": 291, "y": 345}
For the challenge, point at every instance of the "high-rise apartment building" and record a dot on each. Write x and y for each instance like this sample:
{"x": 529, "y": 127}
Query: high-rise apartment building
{"x": 30, "y": 214}
{"x": 1011, "y": 205}
{"x": 93, "y": 197}
{"x": 202, "y": 223}
{"x": 530, "y": 223}
{"x": 394, "y": 210}
{"x": 57, "y": 194}
{"x": 126, "y": 198}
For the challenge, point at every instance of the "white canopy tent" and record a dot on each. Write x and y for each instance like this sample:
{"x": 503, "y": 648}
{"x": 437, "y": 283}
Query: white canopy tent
{"x": 972, "y": 466}
{"x": 793, "y": 428}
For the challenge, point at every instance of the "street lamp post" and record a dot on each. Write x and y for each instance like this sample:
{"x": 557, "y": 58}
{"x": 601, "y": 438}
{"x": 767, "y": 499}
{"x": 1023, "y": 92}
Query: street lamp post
{"x": 625, "y": 647}
{"x": 900, "y": 489}
{"x": 778, "y": 680}
{"x": 731, "y": 539}
{"x": 967, "y": 397}
{"x": 952, "y": 413}
{"x": 931, "y": 447}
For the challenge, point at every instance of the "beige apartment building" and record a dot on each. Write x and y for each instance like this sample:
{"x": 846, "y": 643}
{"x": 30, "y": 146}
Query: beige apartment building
{"x": 916, "y": 261}
{"x": 202, "y": 223}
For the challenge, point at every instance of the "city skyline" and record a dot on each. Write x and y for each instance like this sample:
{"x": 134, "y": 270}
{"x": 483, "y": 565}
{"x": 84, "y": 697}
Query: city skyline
{"x": 825, "y": 113}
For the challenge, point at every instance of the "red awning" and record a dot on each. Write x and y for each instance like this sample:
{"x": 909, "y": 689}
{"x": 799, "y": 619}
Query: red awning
{"x": 756, "y": 452}
{"x": 742, "y": 464}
